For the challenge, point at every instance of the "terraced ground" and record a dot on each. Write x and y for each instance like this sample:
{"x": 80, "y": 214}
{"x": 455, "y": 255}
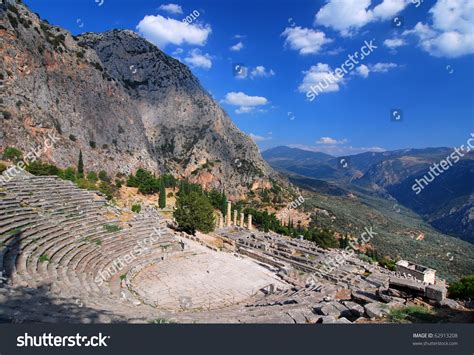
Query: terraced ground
{"x": 67, "y": 255}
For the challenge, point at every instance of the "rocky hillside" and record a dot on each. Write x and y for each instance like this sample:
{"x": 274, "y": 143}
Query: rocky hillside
{"x": 120, "y": 100}
{"x": 447, "y": 203}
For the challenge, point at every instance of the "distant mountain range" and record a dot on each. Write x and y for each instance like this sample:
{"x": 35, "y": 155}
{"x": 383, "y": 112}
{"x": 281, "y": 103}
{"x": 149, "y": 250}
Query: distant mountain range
{"x": 447, "y": 203}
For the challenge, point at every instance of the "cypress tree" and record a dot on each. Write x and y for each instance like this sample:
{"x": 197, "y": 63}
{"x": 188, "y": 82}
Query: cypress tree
{"x": 162, "y": 198}
{"x": 80, "y": 166}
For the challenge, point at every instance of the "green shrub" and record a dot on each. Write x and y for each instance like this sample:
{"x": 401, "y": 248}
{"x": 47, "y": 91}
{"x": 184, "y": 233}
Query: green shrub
{"x": 108, "y": 190}
{"x": 103, "y": 176}
{"x": 462, "y": 289}
{"x": 136, "y": 208}
{"x": 118, "y": 183}
{"x": 42, "y": 169}
{"x": 12, "y": 154}
{"x": 92, "y": 176}
{"x": 3, "y": 167}
{"x": 85, "y": 184}
{"x": 69, "y": 174}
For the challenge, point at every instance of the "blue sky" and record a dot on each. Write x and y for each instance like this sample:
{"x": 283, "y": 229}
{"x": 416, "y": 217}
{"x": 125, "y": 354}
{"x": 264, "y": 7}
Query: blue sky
{"x": 423, "y": 65}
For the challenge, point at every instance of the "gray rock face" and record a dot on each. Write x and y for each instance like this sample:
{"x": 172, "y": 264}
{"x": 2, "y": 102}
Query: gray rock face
{"x": 120, "y": 100}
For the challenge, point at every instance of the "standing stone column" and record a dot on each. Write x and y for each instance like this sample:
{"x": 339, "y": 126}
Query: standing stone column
{"x": 242, "y": 220}
{"x": 249, "y": 222}
{"x": 229, "y": 212}
{"x": 235, "y": 218}
{"x": 221, "y": 220}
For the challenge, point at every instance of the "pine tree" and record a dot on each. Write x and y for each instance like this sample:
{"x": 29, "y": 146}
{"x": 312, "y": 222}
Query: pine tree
{"x": 162, "y": 198}
{"x": 80, "y": 166}
{"x": 194, "y": 212}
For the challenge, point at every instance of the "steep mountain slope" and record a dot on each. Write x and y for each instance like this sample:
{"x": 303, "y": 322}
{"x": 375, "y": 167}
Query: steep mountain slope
{"x": 124, "y": 103}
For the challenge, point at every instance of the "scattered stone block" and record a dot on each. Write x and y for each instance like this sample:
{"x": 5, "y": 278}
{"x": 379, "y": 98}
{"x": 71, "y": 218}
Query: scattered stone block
{"x": 435, "y": 292}
{"x": 355, "y": 308}
{"x": 364, "y": 296}
{"x": 451, "y": 304}
{"x": 407, "y": 283}
{"x": 376, "y": 309}
{"x": 343, "y": 320}
{"x": 327, "y": 320}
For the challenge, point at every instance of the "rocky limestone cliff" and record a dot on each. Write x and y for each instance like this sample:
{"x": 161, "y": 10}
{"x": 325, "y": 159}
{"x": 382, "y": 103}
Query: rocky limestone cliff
{"x": 120, "y": 100}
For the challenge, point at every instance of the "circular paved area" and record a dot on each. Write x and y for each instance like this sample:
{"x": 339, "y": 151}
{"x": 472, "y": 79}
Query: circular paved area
{"x": 201, "y": 279}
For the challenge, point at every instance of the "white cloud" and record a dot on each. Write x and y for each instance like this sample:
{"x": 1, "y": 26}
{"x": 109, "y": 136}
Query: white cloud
{"x": 337, "y": 150}
{"x": 237, "y": 47}
{"x": 162, "y": 31}
{"x": 393, "y": 43}
{"x": 305, "y": 40}
{"x": 247, "y": 103}
{"x": 452, "y": 31}
{"x": 261, "y": 71}
{"x": 347, "y": 16}
{"x": 171, "y": 8}
{"x": 256, "y": 138}
{"x": 177, "y": 52}
{"x": 382, "y": 67}
{"x": 320, "y": 74}
{"x": 364, "y": 70}
{"x": 330, "y": 141}
{"x": 196, "y": 59}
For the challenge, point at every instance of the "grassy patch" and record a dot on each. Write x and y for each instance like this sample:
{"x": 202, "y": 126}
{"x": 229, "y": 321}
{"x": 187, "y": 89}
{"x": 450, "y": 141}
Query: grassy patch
{"x": 161, "y": 321}
{"x": 43, "y": 258}
{"x": 111, "y": 228}
{"x": 413, "y": 314}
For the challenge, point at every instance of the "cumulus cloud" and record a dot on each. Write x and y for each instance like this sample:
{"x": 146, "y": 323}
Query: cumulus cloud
{"x": 337, "y": 150}
{"x": 162, "y": 31}
{"x": 245, "y": 102}
{"x": 171, "y": 8}
{"x": 196, "y": 59}
{"x": 364, "y": 70}
{"x": 394, "y": 43}
{"x": 256, "y": 138}
{"x": 347, "y": 16}
{"x": 320, "y": 74}
{"x": 451, "y": 33}
{"x": 261, "y": 71}
{"x": 330, "y": 141}
{"x": 237, "y": 47}
{"x": 305, "y": 40}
